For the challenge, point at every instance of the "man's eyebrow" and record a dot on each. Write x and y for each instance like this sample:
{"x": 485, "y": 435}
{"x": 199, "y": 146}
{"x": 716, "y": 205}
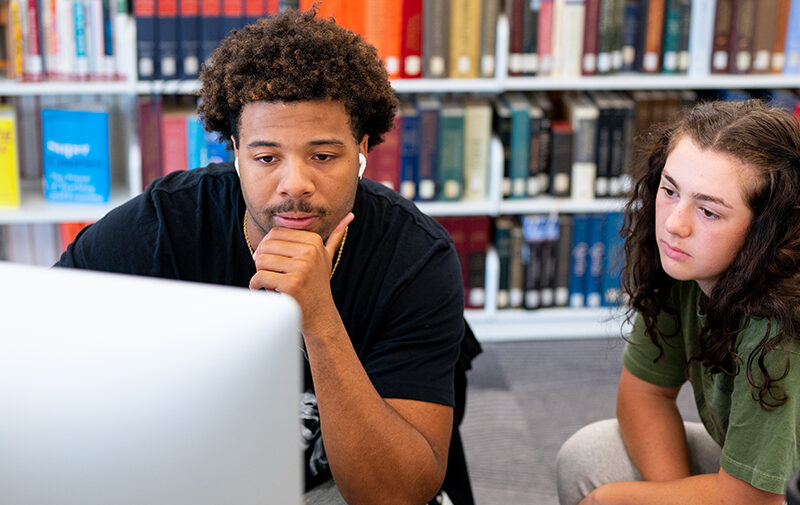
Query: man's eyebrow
{"x": 319, "y": 142}
{"x": 698, "y": 196}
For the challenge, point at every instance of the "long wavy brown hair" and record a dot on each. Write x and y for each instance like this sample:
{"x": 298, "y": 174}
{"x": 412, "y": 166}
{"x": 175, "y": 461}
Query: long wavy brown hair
{"x": 764, "y": 279}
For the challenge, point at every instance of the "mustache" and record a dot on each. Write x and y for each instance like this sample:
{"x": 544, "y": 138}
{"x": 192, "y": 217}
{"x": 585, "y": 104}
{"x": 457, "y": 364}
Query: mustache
{"x": 296, "y": 206}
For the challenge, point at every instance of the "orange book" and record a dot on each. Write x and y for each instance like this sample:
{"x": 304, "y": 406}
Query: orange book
{"x": 382, "y": 29}
{"x": 778, "y": 55}
{"x": 68, "y": 232}
{"x": 350, "y": 15}
{"x": 651, "y": 61}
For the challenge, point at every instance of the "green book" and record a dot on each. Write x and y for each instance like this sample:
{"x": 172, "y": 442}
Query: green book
{"x": 451, "y": 151}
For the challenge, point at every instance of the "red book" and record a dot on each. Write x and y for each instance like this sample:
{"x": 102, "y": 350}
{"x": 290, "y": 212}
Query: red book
{"x": 33, "y": 67}
{"x": 591, "y": 38}
{"x": 411, "y": 40}
{"x": 149, "y": 114}
{"x": 68, "y": 232}
{"x": 174, "y": 152}
{"x": 477, "y": 244}
{"x": 273, "y": 7}
{"x": 544, "y": 43}
{"x": 383, "y": 162}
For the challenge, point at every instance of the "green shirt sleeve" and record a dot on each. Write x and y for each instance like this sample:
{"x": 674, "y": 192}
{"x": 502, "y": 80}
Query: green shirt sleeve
{"x": 761, "y": 447}
{"x": 640, "y": 353}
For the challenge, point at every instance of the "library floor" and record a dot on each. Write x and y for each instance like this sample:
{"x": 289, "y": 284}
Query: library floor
{"x": 524, "y": 400}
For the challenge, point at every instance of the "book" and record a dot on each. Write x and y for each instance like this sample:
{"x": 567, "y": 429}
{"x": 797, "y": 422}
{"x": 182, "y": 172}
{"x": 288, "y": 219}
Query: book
{"x": 383, "y": 161}
{"x": 146, "y": 38}
{"x": 210, "y": 27}
{"x": 613, "y": 260}
{"x": 465, "y": 29}
{"x": 502, "y": 244}
{"x": 550, "y": 259}
{"x": 544, "y": 42}
{"x": 16, "y": 23}
{"x": 148, "y": 110}
{"x": 411, "y": 40}
{"x": 516, "y": 268}
{"x": 233, "y": 15}
{"x": 579, "y": 258}
{"x": 653, "y": 35}
{"x": 451, "y": 151}
{"x": 196, "y": 146}
{"x": 534, "y": 234}
{"x": 254, "y": 9}
{"x": 792, "y": 45}
{"x": 583, "y": 116}
{"x": 766, "y": 18}
{"x": 167, "y": 45}
{"x": 382, "y": 29}
{"x": 671, "y": 36}
{"x": 189, "y": 36}
{"x": 501, "y": 125}
{"x": 477, "y": 244}
{"x": 561, "y": 152}
{"x": 174, "y": 138}
{"x": 630, "y": 43}
{"x": 595, "y": 241}
{"x": 684, "y": 33}
{"x": 435, "y": 38}
{"x": 33, "y": 65}
{"x": 429, "y": 108}
{"x": 44, "y": 244}
{"x": 68, "y": 231}
{"x": 541, "y": 116}
{"x": 721, "y": 49}
{"x": 564, "y": 260}
{"x": 530, "y": 37}
{"x": 520, "y": 143}
{"x": 617, "y": 26}
{"x": 742, "y": 27}
{"x": 76, "y": 161}
{"x": 623, "y": 120}
{"x": 410, "y": 142}
{"x": 591, "y": 38}
{"x": 567, "y": 47}
{"x": 477, "y": 133}
{"x": 18, "y": 238}
{"x": 9, "y": 158}
{"x": 605, "y": 124}
{"x": 81, "y": 40}
{"x": 515, "y": 10}
{"x": 779, "y": 37}
{"x": 488, "y": 47}
{"x": 701, "y": 37}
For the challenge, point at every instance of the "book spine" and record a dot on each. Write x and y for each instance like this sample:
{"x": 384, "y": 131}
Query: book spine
{"x": 410, "y": 152}
{"x": 149, "y": 114}
{"x": 383, "y": 161}
{"x": 232, "y": 16}
{"x": 519, "y": 166}
{"x": 563, "y": 260}
{"x": 603, "y": 149}
{"x": 108, "y": 54}
{"x": 651, "y": 59}
{"x": 390, "y": 34}
{"x": 530, "y": 28}
{"x": 672, "y": 29}
{"x": 579, "y": 256}
{"x": 411, "y": 45}
{"x": 779, "y": 42}
{"x": 591, "y": 39}
{"x": 536, "y": 185}
{"x": 613, "y": 261}
{"x": 571, "y": 37}
{"x": 189, "y": 30}
{"x": 477, "y": 245}
{"x": 763, "y": 35}
{"x": 516, "y": 272}
{"x": 594, "y": 267}
{"x": 173, "y": 142}
{"x": 742, "y": 27}
{"x": 429, "y": 156}
{"x": 502, "y": 243}
{"x": 465, "y": 28}
{"x": 145, "y": 11}
{"x": 533, "y": 229}
{"x": 702, "y": 37}
{"x": 488, "y": 48}
{"x": 33, "y": 67}
{"x": 618, "y": 18}
{"x": 516, "y": 28}
{"x": 501, "y": 124}
{"x": 451, "y": 152}
{"x": 549, "y": 257}
{"x": 167, "y": 47}
{"x": 545, "y": 38}
{"x": 253, "y": 9}
{"x": 584, "y": 164}
{"x": 435, "y": 38}
{"x": 630, "y": 35}
{"x": 684, "y": 33}
{"x": 210, "y": 27}
{"x": 9, "y": 159}
{"x": 723, "y": 24}
{"x": 196, "y": 147}
{"x": 477, "y": 132}
{"x": 81, "y": 40}
{"x": 561, "y": 142}
{"x": 49, "y": 37}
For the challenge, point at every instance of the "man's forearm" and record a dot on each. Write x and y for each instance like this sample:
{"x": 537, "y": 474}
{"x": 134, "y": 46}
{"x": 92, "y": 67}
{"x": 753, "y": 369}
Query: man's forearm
{"x": 375, "y": 454}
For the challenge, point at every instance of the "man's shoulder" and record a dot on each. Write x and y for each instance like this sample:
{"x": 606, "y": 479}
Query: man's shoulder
{"x": 214, "y": 177}
{"x": 393, "y": 212}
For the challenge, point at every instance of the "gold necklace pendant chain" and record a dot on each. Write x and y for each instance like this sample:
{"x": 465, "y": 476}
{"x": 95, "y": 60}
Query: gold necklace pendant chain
{"x": 338, "y": 254}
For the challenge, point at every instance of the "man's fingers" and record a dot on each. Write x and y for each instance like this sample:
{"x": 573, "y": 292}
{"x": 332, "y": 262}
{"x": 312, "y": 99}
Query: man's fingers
{"x": 336, "y": 235}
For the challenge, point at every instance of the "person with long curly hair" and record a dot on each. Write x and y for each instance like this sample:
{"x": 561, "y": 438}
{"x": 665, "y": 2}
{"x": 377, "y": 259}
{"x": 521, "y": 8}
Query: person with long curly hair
{"x": 712, "y": 273}
{"x": 300, "y": 101}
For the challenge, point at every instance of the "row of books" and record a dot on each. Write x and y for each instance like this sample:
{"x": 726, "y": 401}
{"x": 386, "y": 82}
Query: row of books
{"x": 37, "y": 243}
{"x": 544, "y": 260}
{"x": 588, "y": 37}
{"x": 65, "y": 40}
{"x": 435, "y": 38}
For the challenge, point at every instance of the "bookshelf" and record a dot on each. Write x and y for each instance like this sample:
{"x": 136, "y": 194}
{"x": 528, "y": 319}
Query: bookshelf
{"x": 490, "y": 324}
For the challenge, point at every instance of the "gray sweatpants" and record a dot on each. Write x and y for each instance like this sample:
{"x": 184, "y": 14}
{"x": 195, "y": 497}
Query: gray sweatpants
{"x": 595, "y": 455}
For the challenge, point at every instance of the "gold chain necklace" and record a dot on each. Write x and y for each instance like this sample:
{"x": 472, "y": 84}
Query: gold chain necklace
{"x": 338, "y": 254}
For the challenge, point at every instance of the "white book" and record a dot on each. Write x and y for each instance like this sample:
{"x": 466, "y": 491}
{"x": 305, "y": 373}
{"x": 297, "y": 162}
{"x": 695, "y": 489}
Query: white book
{"x": 701, "y": 37}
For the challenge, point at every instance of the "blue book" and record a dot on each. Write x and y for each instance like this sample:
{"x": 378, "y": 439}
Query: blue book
{"x": 578, "y": 260}
{"x": 409, "y": 150}
{"x": 792, "y": 45}
{"x": 630, "y": 35}
{"x": 520, "y": 144}
{"x": 614, "y": 258}
{"x": 592, "y": 281}
{"x": 189, "y": 39}
{"x": 146, "y": 38}
{"x": 217, "y": 152}
{"x": 75, "y": 158}
{"x": 428, "y": 168}
{"x": 196, "y": 146}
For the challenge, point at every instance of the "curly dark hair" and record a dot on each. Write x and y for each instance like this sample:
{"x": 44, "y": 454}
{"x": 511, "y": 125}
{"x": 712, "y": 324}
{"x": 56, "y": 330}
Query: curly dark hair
{"x": 764, "y": 279}
{"x": 292, "y": 57}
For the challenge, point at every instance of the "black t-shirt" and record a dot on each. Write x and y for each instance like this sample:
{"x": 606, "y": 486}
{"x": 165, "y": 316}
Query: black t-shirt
{"x": 397, "y": 287}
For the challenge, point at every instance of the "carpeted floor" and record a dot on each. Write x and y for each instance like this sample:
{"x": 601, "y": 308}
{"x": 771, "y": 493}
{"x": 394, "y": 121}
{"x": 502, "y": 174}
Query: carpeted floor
{"x": 524, "y": 400}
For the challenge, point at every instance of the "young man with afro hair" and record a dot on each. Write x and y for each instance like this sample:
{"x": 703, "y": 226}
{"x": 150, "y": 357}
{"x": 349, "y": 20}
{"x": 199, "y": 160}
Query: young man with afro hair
{"x": 300, "y": 101}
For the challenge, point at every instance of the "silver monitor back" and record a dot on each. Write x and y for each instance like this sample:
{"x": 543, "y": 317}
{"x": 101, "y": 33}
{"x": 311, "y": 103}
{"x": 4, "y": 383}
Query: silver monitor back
{"x": 122, "y": 390}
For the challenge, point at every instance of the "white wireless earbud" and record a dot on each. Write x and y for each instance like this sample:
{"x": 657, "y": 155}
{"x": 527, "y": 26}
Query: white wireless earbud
{"x": 362, "y": 164}
{"x": 236, "y": 165}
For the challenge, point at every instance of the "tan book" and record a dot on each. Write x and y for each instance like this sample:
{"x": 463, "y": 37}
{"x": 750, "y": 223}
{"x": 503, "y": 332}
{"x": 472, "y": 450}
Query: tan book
{"x": 763, "y": 35}
{"x": 779, "y": 37}
{"x": 465, "y": 38}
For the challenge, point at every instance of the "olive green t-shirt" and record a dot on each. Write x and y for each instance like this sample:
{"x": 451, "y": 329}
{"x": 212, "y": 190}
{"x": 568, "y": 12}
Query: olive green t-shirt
{"x": 758, "y": 446}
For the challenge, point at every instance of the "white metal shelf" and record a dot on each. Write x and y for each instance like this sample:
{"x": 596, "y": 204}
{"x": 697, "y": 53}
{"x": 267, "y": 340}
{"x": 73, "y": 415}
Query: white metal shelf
{"x": 545, "y": 324}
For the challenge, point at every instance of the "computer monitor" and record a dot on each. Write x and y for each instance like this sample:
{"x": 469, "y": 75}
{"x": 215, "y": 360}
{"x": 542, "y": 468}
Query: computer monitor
{"x": 122, "y": 390}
